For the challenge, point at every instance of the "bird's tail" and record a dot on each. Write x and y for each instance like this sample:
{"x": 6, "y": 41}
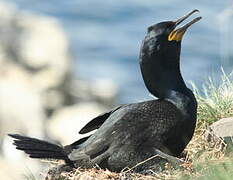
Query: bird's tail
{"x": 36, "y": 148}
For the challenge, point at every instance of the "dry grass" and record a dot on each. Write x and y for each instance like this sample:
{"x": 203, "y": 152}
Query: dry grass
{"x": 204, "y": 157}
{"x": 95, "y": 173}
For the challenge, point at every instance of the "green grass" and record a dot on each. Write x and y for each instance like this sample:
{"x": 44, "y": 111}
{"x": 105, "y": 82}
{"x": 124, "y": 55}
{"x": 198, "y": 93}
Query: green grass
{"x": 216, "y": 101}
{"x": 222, "y": 170}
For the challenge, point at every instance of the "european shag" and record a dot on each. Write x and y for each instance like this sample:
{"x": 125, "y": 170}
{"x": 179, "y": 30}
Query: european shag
{"x": 132, "y": 133}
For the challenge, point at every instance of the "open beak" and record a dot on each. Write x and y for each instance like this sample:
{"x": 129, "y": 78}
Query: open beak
{"x": 177, "y": 34}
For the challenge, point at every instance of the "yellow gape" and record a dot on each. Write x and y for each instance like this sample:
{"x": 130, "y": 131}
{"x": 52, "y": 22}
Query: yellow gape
{"x": 176, "y": 35}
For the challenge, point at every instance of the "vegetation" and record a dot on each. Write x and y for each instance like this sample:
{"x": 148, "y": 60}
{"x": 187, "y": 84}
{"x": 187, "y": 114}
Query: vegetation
{"x": 217, "y": 101}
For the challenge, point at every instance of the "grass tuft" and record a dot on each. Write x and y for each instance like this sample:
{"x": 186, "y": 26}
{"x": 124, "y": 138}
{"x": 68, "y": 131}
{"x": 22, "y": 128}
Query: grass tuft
{"x": 216, "y": 102}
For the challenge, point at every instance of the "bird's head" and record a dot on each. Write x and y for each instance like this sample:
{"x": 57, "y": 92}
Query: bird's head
{"x": 160, "y": 56}
{"x": 165, "y": 37}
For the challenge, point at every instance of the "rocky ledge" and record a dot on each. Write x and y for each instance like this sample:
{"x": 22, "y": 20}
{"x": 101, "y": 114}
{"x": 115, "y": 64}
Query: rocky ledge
{"x": 38, "y": 93}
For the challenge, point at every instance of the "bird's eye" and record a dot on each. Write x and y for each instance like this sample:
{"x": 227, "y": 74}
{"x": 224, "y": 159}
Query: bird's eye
{"x": 150, "y": 28}
{"x": 170, "y": 26}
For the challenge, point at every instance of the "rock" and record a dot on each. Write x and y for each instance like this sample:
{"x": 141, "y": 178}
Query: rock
{"x": 36, "y": 85}
{"x": 26, "y": 169}
{"x": 103, "y": 91}
{"x": 21, "y": 111}
{"x": 38, "y": 45}
{"x": 72, "y": 118}
{"x": 35, "y": 69}
{"x": 223, "y": 128}
{"x": 34, "y": 76}
{"x": 21, "y": 108}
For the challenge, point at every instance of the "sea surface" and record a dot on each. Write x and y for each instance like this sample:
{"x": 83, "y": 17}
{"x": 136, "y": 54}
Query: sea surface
{"x": 105, "y": 38}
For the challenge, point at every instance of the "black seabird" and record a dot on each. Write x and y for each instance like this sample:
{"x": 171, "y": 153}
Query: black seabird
{"x": 132, "y": 133}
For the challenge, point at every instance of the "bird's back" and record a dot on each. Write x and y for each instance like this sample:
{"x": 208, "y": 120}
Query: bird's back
{"x": 133, "y": 133}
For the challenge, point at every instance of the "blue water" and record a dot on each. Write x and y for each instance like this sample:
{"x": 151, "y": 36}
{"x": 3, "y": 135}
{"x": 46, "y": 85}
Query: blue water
{"x": 105, "y": 37}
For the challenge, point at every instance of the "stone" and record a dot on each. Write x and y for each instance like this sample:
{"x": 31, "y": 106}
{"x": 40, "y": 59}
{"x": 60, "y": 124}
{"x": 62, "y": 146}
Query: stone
{"x": 20, "y": 102}
{"x": 39, "y": 45}
{"x": 37, "y": 90}
{"x": 72, "y": 118}
{"x": 223, "y": 127}
{"x": 34, "y": 79}
{"x": 103, "y": 91}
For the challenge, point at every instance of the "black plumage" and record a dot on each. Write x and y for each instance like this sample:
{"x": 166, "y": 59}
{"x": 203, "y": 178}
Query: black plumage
{"x": 132, "y": 133}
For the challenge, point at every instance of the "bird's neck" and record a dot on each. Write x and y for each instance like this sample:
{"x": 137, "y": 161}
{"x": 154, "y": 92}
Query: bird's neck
{"x": 186, "y": 103}
{"x": 164, "y": 80}
{"x": 160, "y": 68}
{"x": 162, "y": 77}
